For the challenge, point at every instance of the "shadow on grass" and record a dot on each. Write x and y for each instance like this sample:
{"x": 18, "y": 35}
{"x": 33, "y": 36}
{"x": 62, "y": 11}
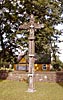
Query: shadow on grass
{"x": 1, "y": 80}
{"x": 60, "y": 83}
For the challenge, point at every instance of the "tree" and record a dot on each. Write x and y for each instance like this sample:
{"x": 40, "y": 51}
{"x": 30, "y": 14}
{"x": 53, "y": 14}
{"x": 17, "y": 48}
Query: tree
{"x": 58, "y": 65}
{"x": 9, "y": 19}
{"x": 16, "y": 12}
{"x": 47, "y": 12}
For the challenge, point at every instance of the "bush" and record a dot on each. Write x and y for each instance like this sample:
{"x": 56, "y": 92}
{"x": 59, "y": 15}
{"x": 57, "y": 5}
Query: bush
{"x": 3, "y": 74}
{"x": 57, "y": 66}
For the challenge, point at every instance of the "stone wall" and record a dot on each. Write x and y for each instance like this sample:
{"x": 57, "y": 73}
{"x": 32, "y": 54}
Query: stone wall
{"x": 17, "y": 75}
{"x": 39, "y": 76}
{"x": 49, "y": 77}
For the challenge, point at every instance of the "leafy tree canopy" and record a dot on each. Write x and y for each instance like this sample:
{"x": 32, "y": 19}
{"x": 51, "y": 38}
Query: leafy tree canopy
{"x": 15, "y": 12}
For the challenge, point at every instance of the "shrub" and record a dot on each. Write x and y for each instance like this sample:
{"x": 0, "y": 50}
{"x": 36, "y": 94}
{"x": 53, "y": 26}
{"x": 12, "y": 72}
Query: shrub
{"x": 3, "y": 74}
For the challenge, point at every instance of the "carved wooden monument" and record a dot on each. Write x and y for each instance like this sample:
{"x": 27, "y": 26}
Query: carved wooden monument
{"x": 31, "y": 26}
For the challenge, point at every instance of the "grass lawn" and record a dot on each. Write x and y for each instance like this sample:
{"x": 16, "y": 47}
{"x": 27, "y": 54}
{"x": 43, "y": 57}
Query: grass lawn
{"x": 13, "y": 90}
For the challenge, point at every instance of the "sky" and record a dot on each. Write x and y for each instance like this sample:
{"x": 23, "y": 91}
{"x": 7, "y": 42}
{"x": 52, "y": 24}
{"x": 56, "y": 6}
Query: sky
{"x": 60, "y": 45}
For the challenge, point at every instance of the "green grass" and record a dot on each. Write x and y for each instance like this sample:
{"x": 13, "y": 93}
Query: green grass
{"x": 13, "y": 90}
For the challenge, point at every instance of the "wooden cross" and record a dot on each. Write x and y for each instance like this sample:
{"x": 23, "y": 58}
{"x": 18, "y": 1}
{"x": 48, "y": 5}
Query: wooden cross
{"x": 31, "y": 26}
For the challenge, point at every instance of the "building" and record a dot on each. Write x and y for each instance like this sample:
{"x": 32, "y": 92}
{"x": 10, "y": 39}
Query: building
{"x": 22, "y": 65}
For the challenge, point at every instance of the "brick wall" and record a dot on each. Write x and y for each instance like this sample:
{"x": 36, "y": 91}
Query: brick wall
{"x": 39, "y": 76}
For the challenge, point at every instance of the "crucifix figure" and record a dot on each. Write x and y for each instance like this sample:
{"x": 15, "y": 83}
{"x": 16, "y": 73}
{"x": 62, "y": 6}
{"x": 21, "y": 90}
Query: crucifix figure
{"x": 31, "y": 26}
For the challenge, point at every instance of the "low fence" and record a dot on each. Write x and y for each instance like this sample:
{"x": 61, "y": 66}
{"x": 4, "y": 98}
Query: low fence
{"x": 38, "y": 76}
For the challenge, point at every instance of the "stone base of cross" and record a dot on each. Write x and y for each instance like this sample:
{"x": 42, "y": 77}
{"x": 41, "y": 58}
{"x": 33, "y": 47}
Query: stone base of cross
{"x": 31, "y": 86}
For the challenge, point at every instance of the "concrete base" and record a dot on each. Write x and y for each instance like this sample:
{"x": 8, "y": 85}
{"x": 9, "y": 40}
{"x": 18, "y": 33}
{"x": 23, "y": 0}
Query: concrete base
{"x": 31, "y": 90}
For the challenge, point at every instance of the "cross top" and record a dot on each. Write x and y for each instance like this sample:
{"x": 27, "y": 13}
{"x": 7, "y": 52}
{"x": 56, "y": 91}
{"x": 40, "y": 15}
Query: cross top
{"x": 32, "y": 19}
{"x": 31, "y": 24}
